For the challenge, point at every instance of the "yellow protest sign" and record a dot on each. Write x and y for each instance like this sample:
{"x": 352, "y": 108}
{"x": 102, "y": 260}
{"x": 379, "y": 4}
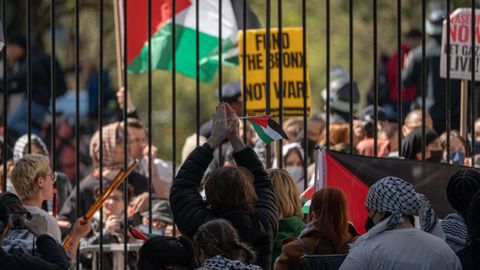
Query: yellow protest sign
{"x": 256, "y": 66}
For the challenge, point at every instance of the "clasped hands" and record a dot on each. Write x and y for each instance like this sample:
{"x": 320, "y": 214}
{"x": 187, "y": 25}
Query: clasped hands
{"x": 225, "y": 126}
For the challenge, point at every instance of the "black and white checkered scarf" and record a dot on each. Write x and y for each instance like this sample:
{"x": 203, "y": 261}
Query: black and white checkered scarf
{"x": 398, "y": 197}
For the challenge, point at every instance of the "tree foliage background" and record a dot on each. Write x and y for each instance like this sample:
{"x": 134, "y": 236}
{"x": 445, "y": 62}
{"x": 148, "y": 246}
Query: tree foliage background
{"x": 185, "y": 93}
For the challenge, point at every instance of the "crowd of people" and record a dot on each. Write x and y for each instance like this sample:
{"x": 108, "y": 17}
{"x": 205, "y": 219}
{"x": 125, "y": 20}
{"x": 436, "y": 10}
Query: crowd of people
{"x": 232, "y": 205}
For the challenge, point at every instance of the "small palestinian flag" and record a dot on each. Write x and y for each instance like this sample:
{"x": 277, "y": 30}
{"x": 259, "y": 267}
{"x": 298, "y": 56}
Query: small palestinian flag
{"x": 267, "y": 129}
{"x": 354, "y": 175}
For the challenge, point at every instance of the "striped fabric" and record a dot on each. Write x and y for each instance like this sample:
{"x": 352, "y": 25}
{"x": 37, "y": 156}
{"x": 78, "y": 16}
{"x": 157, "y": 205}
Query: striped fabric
{"x": 455, "y": 231}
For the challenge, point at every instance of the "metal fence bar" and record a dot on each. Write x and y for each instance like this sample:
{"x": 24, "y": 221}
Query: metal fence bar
{"x": 424, "y": 82}
{"x": 304, "y": 88}
{"x": 100, "y": 113}
{"x": 399, "y": 77}
{"x": 77, "y": 117}
{"x": 174, "y": 103}
{"x": 472, "y": 82}
{"x": 150, "y": 130}
{"x": 29, "y": 77}
{"x": 449, "y": 86}
{"x": 280, "y": 81}
{"x": 220, "y": 72}
{"x": 350, "y": 61}
{"x": 327, "y": 79}
{"x": 5, "y": 97}
{"x": 197, "y": 71}
{"x": 53, "y": 73}
{"x": 375, "y": 80}
{"x": 244, "y": 70}
{"x": 125, "y": 133}
{"x": 268, "y": 152}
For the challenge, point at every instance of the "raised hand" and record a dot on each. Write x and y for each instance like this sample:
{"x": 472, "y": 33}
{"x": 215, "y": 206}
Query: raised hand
{"x": 233, "y": 122}
{"x": 219, "y": 128}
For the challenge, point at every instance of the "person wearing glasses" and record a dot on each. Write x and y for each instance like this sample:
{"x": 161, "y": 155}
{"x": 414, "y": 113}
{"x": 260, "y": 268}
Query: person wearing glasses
{"x": 33, "y": 180}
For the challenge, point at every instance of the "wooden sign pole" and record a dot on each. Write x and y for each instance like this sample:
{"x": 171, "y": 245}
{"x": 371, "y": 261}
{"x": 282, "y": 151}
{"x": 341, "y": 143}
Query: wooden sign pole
{"x": 463, "y": 108}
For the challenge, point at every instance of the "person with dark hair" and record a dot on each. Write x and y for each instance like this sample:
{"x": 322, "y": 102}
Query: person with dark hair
{"x": 40, "y": 79}
{"x": 412, "y": 39}
{"x": 459, "y": 149}
{"x": 327, "y": 232}
{"x": 412, "y": 75}
{"x": 392, "y": 241}
{"x": 469, "y": 256}
{"x": 242, "y": 195}
{"x": 166, "y": 252}
{"x": 51, "y": 254}
{"x": 412, "y": 145}
{"x": 460, "y": 190}
{"x": 219, "y": 247}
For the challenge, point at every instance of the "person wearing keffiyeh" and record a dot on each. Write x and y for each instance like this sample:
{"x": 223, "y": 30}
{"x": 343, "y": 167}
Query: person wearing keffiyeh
{"x": 392, "y": 241}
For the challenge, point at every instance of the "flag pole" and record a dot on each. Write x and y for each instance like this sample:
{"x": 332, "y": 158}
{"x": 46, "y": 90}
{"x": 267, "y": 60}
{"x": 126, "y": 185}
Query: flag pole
{"x": 250, "y": 117}
{"x": 118, "y": 43}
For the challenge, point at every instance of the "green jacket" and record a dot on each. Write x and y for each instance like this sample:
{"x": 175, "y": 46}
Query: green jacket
{"x": 288, "y": 227}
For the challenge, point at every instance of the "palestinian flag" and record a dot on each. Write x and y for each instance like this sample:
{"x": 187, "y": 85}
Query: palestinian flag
{"x": 354, "y": 175}
{"x": 185, "y": 35}
{"x": 267, "y": 129}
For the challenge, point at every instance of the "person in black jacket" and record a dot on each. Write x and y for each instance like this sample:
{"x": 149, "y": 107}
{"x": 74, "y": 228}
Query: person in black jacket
{"x": 52, "y": 257}
{"x": 242, "y": 195}
{"x": 18, "y": 77}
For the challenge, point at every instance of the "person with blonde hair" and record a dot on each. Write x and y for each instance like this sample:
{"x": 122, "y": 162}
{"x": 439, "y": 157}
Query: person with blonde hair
{"x": 290, "y": 223}
{"x": 33, "y": 179}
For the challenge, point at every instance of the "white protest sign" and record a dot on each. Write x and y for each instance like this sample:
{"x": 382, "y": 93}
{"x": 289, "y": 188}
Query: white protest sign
{"x": 461, "y": 45}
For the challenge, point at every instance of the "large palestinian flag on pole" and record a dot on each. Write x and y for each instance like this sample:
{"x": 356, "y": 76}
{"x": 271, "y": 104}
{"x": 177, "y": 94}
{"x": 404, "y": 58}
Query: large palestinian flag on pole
{"x": 354, "y": 175}
{"x": 185, "y": 35}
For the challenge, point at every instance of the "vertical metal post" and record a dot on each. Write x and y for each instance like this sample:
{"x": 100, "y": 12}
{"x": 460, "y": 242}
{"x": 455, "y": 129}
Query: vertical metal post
{"x": 174, "y": 103}
{"x": 350, "y": 60}
{"x": 100, "y": 120}
{"x": 77, "y": 116}
{"x": 125, "y": 132}
{"x": 220, "y": 72}
{"x": 5, "y": 96}
{"x": 424, "y": 82}
{"x": 53, "y": 91}
{"x": 197, "y": 69}
{"x": 280, "y": 81}
{"x": 268, "y": 152}
{"x": 150, "y": 130}
{"x": 449, "y": 88}
{"x": 305, "y": 85}
{"x": 375, "y": 80}
{"x": 244, "y": 71}
{"x": 327, "y": 79}
{"x": 472, "y": 81}
{"x": 29, "y": 77}
{"x": 399, "y": 76}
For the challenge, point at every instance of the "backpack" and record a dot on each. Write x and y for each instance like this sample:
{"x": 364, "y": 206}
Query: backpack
{"x": 319, "y": 262}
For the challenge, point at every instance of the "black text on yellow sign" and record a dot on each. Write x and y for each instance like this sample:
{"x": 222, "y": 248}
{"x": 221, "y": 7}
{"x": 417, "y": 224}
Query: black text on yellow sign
{"x": 256, "y": 66}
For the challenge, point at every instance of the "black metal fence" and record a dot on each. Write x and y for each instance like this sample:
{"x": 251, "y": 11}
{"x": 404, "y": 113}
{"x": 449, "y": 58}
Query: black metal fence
{"x": 197, "y": 111}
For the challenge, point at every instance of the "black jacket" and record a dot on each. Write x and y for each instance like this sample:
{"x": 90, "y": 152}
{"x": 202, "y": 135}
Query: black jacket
{"x": 190, "y": 211}
{"x": 53, "y": 257}
{"x": 435, "y": 96}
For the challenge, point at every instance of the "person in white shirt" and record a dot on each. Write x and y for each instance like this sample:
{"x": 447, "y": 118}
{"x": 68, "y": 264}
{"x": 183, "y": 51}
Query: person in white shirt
{"x": 392, "y": 241}
{"x": 33, "y": 179}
